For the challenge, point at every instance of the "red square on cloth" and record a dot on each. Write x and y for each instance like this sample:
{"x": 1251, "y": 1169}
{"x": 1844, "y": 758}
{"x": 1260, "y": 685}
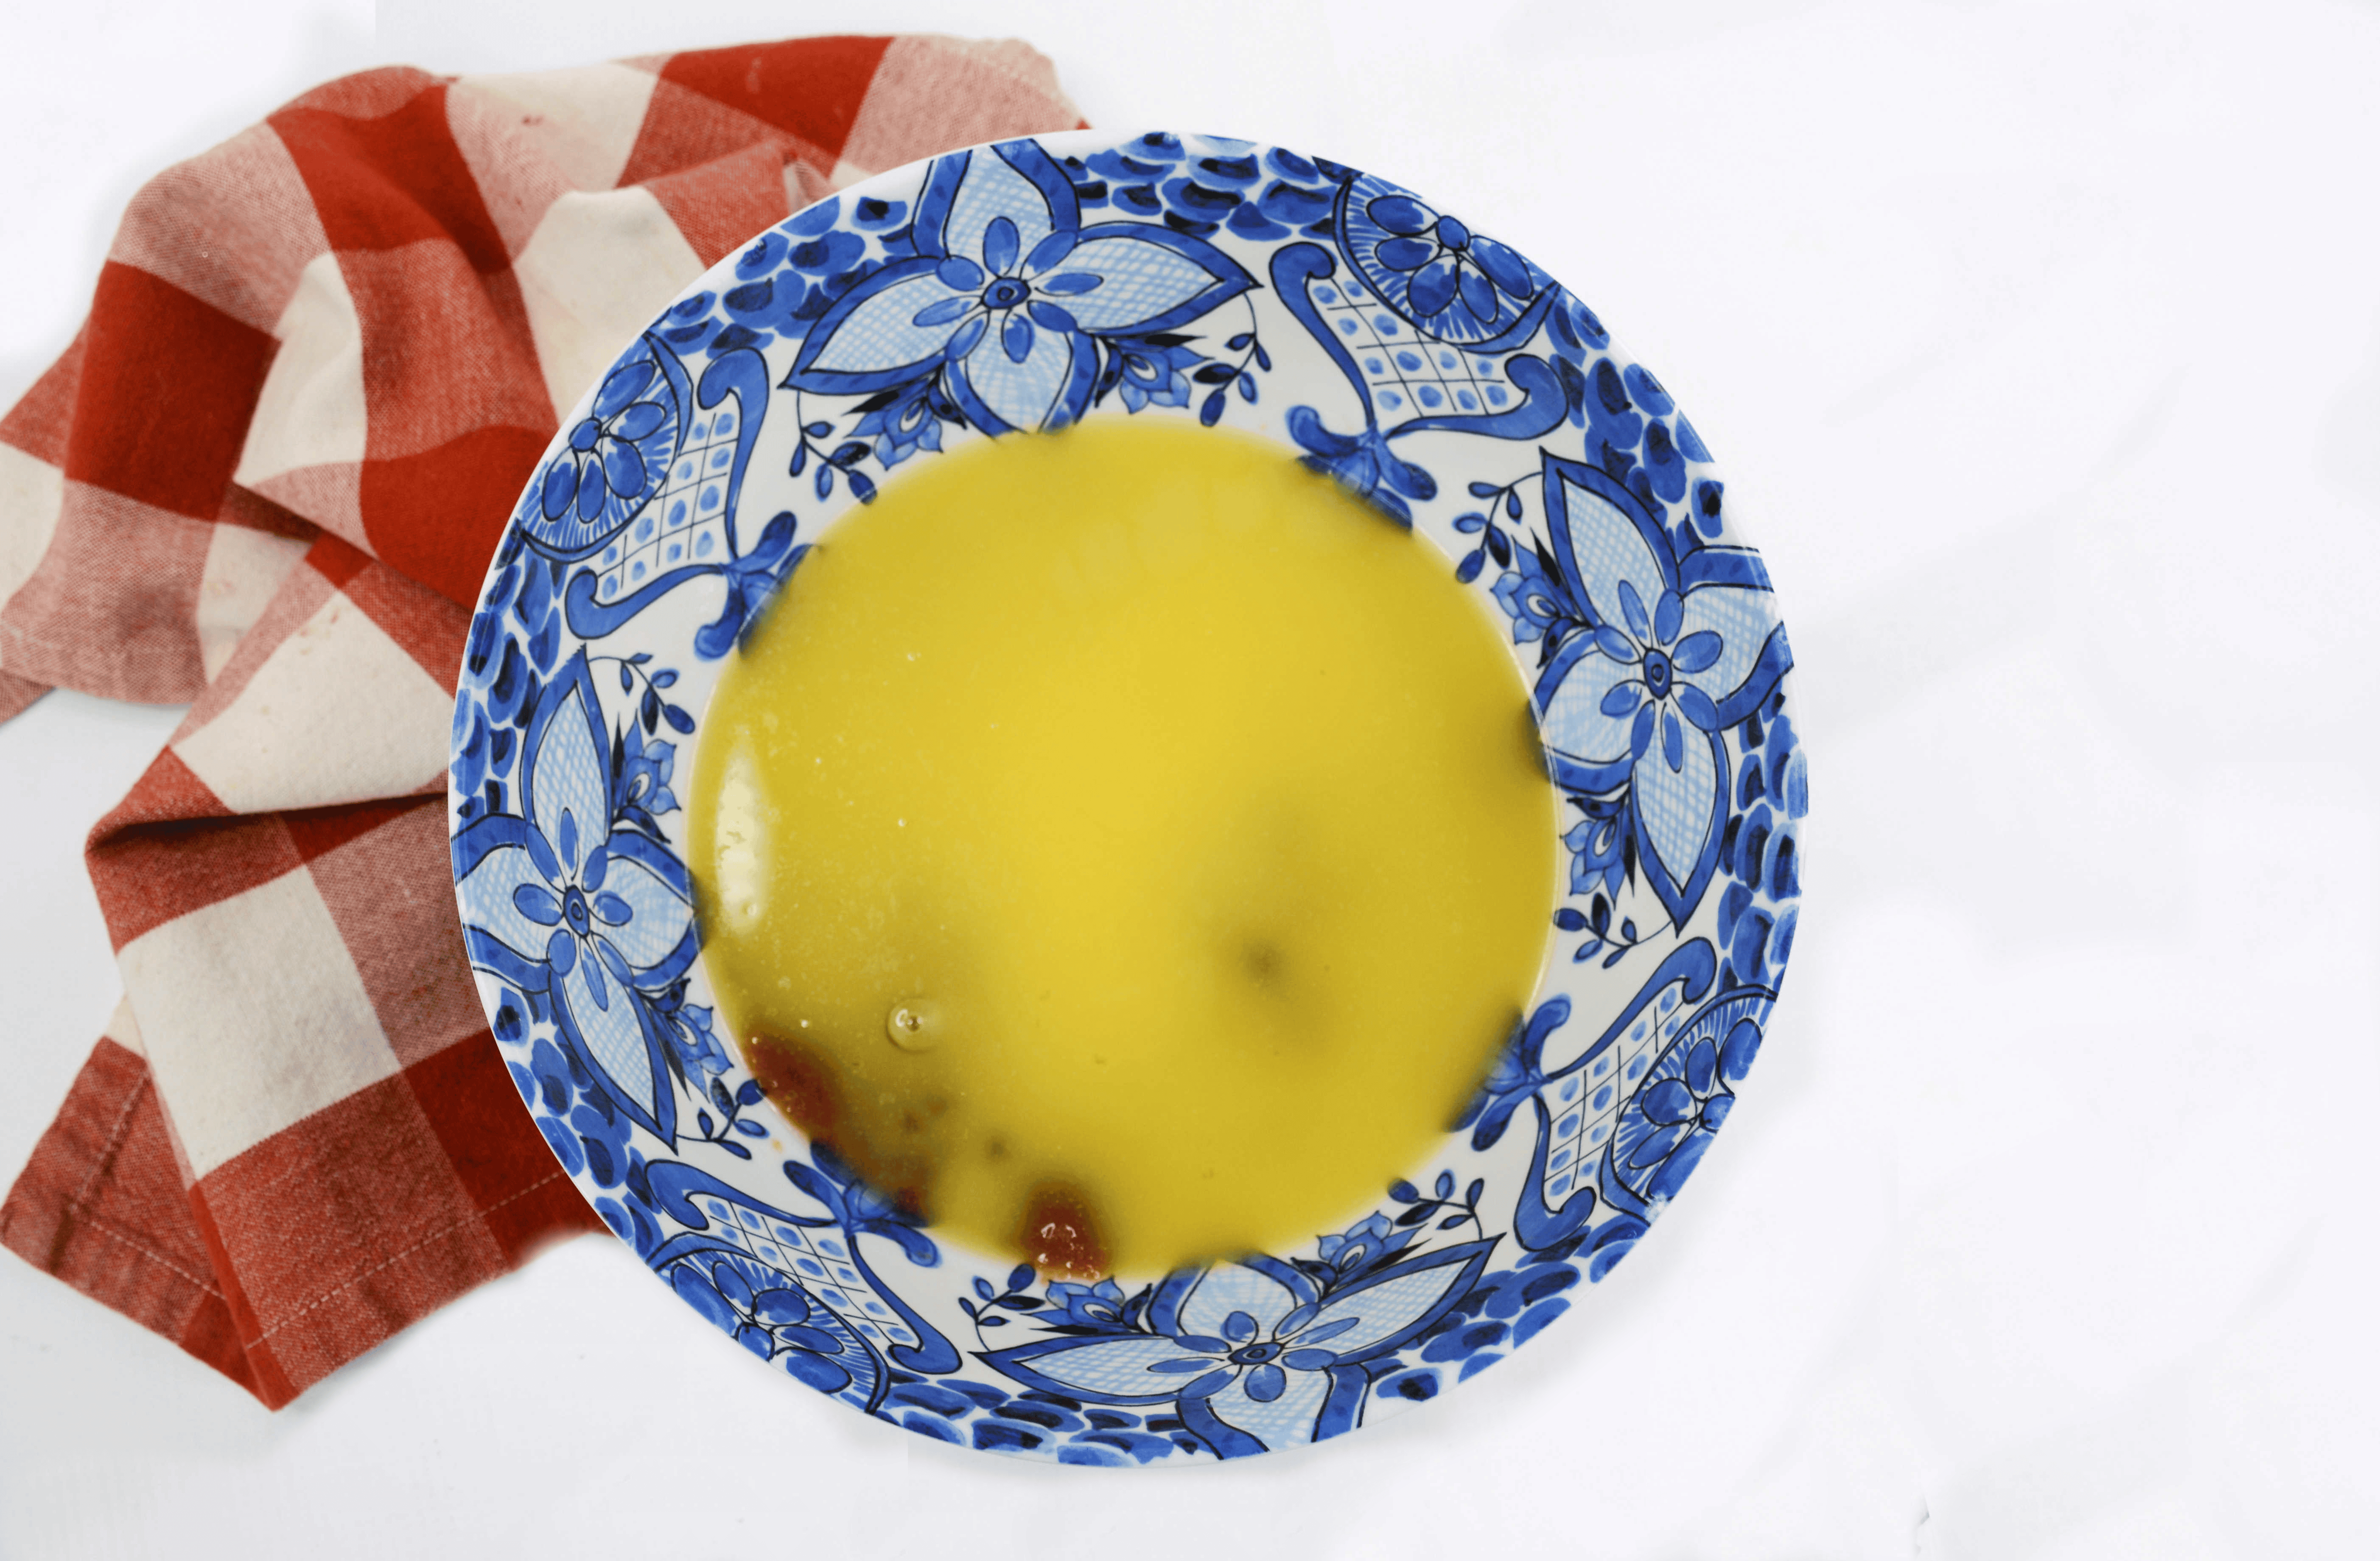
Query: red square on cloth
{"x": 387, "y": 179}
{"x": 713, "y": 102}
{"x": 167, "y": 384}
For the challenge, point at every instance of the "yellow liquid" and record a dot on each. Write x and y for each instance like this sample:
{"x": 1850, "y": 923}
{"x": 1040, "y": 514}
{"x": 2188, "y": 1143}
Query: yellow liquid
{"x": 1131, "y": 813}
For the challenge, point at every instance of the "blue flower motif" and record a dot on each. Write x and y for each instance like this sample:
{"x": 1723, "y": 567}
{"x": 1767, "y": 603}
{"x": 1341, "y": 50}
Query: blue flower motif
{"x": 644, "y": 777}
{"x": 1683, "y": 1101}
{"x": 615, "y": 459}
{"x": 719, "y": 1217}
{"x": 687, "y": 1025}
{"x": 770, "y": 1313}
{"x": 907, "y": 420}
{"x": 1099, "y": 1306}
{"x": 1538, "y": 602}
{"x": 1151, "y": 372}
{"x": 1587, "y": 1095}
{"x": 1008, "y": 294}
{"x": 1598, "y": 845}
{"x": 1669, "y": 653}
{"x": 1258, "y": 1366}
{"x": 1370, "y": 1240}
{"x": 1432, "y": 269}
{"x": 562, "y": 900}
{"x": 1257, "y": 1354}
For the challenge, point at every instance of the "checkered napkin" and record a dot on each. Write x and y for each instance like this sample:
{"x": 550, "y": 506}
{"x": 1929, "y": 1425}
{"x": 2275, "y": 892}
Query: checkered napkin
{"x": 267, "y": 478}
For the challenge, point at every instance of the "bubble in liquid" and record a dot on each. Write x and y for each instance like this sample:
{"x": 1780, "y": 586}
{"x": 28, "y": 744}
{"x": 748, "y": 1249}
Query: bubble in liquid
{"x": 911, "y": 1026}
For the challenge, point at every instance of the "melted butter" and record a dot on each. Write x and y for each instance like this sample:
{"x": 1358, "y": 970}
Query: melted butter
{"x": 1126, "y": 822}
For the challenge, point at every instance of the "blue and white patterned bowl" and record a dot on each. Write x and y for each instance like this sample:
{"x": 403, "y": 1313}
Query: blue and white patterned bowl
{"x": 1026, "y": 286}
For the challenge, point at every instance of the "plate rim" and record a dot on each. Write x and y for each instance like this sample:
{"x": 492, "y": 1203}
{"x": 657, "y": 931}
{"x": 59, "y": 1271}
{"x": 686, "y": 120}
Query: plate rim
{"x": 1491, "y": 304}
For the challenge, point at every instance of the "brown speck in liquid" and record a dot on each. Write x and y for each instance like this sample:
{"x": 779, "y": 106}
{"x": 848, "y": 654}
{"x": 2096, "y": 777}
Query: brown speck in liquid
{"x": 799, "y": 1081}
{"x": 805, "y": 1086}
{"x": 1060, "y": 1238}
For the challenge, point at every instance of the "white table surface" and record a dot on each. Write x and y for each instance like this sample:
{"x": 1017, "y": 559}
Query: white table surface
{"x": 2040, "y": 344}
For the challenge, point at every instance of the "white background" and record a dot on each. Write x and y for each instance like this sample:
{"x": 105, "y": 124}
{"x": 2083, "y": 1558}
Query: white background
{"x": 2040, "y": 345}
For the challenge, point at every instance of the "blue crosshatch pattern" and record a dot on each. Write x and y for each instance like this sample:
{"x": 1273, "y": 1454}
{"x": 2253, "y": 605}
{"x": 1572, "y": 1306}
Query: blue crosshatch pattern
{"x": 1408, "y": 375}
{"x": 821, "y": 1262}
{"x": 687, "y": 522}
{"x": 1587, "y": 1103}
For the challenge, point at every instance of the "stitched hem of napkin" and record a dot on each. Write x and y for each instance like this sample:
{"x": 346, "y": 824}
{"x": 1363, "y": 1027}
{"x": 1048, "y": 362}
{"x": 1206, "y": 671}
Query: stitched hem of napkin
{"x": 442, "y": 1232}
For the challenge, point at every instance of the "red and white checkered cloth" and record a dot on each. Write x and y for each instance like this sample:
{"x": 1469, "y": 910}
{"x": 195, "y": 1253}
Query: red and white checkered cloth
{"x": 267, "y": 478}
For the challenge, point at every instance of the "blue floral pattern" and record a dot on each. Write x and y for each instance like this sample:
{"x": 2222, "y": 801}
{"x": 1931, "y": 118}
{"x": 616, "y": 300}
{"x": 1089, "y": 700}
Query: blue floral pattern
{"x": 1649, "y": 656}
{"x": 1434, "y": 271}
{"x": 1255, "y": 1355}
{"x": 566, "y": 899}
{"x": 1009, "y": 294}
{"x": 1430, "y": 368}
{"x": 614, "y": 459}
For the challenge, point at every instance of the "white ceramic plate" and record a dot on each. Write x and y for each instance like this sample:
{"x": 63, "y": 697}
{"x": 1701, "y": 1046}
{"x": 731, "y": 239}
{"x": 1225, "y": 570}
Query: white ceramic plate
{"x": 1025, "y": 285}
